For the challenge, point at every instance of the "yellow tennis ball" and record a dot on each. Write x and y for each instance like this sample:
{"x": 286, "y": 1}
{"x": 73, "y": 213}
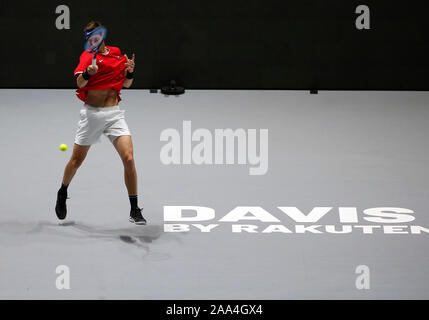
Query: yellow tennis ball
{"x": 63, "y": 147}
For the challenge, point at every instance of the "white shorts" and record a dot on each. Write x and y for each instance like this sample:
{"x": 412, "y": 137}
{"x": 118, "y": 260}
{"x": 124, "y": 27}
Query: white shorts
{"x": 95, "y": 121}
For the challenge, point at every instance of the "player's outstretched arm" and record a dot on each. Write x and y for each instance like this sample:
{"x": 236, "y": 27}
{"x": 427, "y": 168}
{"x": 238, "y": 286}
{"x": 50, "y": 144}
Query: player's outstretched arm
{"x": 129, "y": 71}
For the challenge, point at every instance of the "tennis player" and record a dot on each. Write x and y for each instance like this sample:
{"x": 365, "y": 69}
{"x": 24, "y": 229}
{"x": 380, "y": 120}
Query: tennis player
{"x": 99, "y": 88}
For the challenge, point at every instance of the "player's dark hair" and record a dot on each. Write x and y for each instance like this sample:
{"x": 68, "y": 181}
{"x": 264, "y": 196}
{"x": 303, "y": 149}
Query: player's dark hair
{"x": 92, "y": 25}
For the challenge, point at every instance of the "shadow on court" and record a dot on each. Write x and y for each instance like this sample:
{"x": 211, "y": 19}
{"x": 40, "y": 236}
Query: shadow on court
{"x": 140, "y": 237}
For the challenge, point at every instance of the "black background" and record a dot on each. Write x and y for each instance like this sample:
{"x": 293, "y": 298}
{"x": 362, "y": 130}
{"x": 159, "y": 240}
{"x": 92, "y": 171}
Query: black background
{"x": 273, "y": 309}
{"x": 235, "y": 44}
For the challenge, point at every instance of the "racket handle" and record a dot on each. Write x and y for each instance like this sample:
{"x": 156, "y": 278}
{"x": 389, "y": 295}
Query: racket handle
{"x": 93, "y": 60}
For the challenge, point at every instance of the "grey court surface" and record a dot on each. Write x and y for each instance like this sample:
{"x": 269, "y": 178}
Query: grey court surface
{"x": 335, "y": 149}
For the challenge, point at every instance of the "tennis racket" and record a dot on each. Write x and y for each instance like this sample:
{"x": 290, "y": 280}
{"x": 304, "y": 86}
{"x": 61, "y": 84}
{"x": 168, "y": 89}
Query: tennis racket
{"x": 94, "y": 40}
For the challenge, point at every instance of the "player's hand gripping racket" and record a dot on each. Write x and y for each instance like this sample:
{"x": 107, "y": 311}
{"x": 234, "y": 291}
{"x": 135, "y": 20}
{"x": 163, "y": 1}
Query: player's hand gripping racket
{"x": 94, "y": 39}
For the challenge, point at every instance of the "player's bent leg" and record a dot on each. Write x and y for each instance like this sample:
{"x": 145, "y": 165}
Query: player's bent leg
{"x": 124, "y": 147}
{"x": 76, "y": 160}
{"x": 78, "y": 155}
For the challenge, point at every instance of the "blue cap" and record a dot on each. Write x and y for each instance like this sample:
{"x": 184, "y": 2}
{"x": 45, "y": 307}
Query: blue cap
{"x": 88, "y": 33}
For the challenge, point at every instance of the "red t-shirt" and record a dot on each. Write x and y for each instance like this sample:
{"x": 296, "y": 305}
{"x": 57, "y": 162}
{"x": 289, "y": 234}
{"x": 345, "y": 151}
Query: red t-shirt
{"x": 110, "y": 72}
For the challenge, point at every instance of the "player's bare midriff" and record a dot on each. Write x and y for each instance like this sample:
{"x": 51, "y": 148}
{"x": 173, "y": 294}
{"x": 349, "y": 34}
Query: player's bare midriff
{"x": 102, "y": 98}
